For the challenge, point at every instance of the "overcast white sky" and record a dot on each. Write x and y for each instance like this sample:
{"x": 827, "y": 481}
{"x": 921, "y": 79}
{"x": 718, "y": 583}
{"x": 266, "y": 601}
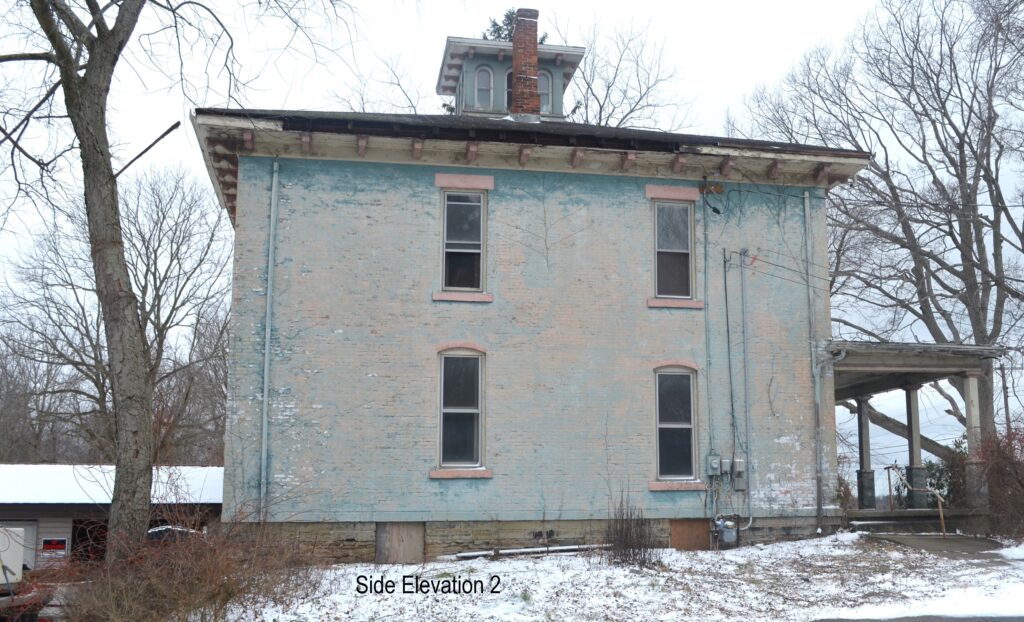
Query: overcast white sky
{"x": 720, "y": 51}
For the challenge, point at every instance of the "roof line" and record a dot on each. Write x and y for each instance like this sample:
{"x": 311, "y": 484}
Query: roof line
{"x": 554, "y": 133}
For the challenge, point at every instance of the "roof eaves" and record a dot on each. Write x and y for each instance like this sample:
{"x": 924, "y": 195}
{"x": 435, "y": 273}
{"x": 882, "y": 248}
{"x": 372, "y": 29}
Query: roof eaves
{"x": 500, "y": 130}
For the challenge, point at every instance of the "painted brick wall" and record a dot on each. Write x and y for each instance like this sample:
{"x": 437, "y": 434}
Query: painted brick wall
{"x": 571, "y": 346}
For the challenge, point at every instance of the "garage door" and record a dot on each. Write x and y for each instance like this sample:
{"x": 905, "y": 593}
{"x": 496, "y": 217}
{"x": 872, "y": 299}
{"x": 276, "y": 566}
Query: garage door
{"x": 31, "y": 532}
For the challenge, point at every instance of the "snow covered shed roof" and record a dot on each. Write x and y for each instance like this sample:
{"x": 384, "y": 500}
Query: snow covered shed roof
{"x": 94, "y": 484}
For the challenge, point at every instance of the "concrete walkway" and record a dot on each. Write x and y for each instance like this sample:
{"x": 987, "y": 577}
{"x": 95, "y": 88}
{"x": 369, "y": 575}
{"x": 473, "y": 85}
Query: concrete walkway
{"x": 951, "y": 547}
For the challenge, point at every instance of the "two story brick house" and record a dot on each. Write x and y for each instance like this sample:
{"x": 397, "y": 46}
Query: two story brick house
{"x": 481, "y": 330}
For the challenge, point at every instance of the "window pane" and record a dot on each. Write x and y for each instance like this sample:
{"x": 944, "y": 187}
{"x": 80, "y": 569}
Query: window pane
{"x": 673, "y": 274}
{"x": 459, "y": 438}
{"x": 544, "y": 88}
{"x": 462, "y": 223}
{"x": 673, "y": 228}
{"x": 483, "y": 80}
{"x": 674, "y": 400}
{"x": 462, "y": 270}
{"x": 473, "y": 199}
{"x": 461, "y": 382}
{"x": 483, "y": 88}
{"x": 675, "y": 452}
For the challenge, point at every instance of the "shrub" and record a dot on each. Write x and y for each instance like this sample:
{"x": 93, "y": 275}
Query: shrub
{"x": 630, "y": 537}
{"x": 196, "y": 578}
{"x": 1004, "y": 458}
{"x": 949, "y": 477}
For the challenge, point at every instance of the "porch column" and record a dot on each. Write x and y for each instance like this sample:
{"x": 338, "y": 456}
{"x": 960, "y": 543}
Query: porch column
{"x": 865, "y": 475}
{"x": 977, "y": 487}
{"x": 917, "y": 475}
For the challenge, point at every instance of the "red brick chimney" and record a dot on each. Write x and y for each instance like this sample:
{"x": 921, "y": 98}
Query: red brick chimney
{"x": 525, "y": 104}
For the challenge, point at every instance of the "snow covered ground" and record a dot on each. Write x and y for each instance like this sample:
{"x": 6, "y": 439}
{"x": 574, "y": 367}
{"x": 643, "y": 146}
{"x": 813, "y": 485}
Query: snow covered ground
{"x": 839, "y": 576}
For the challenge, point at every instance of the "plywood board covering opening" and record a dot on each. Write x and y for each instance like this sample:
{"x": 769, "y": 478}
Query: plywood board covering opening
{"x": 690, "y": 534}
{"x": 400, "y": 543}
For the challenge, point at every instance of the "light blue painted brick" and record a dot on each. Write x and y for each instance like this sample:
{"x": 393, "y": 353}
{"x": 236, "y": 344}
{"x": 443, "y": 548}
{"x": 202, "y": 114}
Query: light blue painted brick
{"x": 571, "y": 345}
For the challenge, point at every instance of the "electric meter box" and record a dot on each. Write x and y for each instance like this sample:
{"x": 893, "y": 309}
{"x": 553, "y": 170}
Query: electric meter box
{"x": 714, "y": 464}
{"x": 12, "y": 555}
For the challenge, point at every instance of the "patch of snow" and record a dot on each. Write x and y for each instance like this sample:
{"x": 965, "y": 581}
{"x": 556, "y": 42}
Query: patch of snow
{"x": 842, "y": 575}
{"x": 988, "y": 600}
{"x": 1013, "y": 552}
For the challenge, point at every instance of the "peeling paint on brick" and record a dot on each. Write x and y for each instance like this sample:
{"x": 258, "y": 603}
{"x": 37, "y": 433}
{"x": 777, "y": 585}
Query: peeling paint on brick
{"x": 569, "y": 398}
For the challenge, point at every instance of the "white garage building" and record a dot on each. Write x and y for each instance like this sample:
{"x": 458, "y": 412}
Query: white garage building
{"x": 64, "y": 507}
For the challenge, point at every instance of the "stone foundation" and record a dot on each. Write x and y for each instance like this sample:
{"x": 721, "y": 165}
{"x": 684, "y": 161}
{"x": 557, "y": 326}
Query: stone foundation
{"x": 321, "y": 542}
{"x": 446, "y": 538}
{"x": 781, "y": 528}
{"x": 356, "y": 542}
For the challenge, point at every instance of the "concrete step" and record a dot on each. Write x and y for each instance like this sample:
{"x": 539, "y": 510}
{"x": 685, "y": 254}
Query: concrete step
{"x": 881, "y": 526}
{"x": 914, "y": 521}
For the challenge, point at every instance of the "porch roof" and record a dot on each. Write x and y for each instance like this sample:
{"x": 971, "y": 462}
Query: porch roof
{"x": 869, "y": 367}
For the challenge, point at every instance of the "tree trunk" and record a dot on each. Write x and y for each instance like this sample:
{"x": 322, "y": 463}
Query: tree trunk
{"x": 126, "y": 344}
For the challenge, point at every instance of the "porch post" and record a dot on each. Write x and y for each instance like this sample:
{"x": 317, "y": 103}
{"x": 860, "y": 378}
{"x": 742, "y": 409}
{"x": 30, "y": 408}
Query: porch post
{"x": 977, "y": 487}
{"x": 865, "y": 475}
{"x": 917, "y": 475}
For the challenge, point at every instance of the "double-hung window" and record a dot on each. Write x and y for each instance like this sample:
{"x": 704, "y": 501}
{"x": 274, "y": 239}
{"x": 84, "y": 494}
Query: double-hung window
{"x": 484, "y": 88}
{"x": 460, "y": 410}
{"x": 675, "y": 424}
{"x": 463, "y": 241}
{"x": 673, "y": 241}
{"x": 544, "y": 90}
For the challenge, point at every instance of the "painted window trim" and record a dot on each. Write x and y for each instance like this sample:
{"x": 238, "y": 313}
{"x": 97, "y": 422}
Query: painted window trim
{"x": 455, "y": 295}
{"x": 674, "y": 303}
{"x": 461, "y": 349}
{"x": 460, "y": 473}
{"x": 677, "y": 366}
{"x": 682, "y": 194}
{"x": 676, "y": 485}
{"x": 456, "y": 348}
{"x": 459, "y": 181}
{"x": 476, "y": 88}
{"x": 690, "y": 206}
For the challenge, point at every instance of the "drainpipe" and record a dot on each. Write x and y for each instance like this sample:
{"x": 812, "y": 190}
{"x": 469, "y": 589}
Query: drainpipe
{"x": 707, "y": 323}
{"x": 746, "y": 391}
{"x": 264, "y": 423}
{"x": 710, "y": 498}
{"x": 815, "y": 369}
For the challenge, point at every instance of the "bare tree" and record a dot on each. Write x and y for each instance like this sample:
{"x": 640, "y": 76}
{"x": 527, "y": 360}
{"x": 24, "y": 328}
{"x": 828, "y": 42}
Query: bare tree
{"x": 385, "y": 88}
{"x": 190, "y": 405}
{"x": 925, "y": 243}
{"x": 624, "y": 81}
{"x": 31, "y": 433}
{"x": 176, "y": 247}
{"x": 63, "y": 59}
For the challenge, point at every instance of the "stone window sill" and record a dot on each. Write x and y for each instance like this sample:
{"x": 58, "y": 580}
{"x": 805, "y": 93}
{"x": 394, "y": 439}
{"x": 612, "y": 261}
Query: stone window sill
{"x": 463, "y": 296}
{"x": 669, "y": 486}
{"x": 674, "y": 303}
{"x": 461, "y": 474}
